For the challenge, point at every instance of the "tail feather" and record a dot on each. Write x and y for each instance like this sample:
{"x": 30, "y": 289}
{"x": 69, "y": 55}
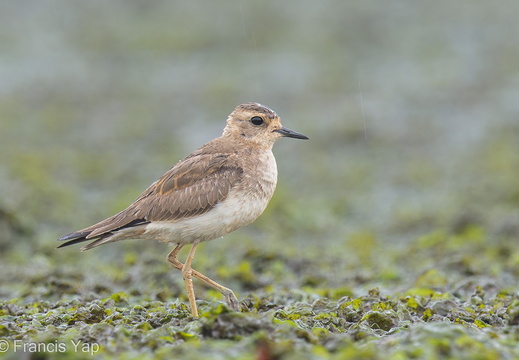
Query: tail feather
{"x": 84, "y": 235}
{"x": 96, "y": 241}
{"x": 75, "y": 235}
{"x": 99, "y": 241}
{"x": 72, "y": 242}
{"x": 74, "y": 238}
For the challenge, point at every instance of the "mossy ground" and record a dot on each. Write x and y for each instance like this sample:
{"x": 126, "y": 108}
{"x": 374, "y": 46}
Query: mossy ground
{"x": 393, "y": 231}
{"x": 444, "y": 296}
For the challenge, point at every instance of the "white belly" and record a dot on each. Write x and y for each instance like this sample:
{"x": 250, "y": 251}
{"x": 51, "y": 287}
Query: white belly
{"x": 234, "y": 212}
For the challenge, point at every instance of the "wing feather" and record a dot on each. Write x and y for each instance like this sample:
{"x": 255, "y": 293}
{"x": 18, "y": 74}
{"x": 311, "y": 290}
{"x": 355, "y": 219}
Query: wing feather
{"x": 192, "y": 187}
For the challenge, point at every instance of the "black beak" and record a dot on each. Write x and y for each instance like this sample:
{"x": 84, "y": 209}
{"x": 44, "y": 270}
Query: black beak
{"x": 290, "y": 133}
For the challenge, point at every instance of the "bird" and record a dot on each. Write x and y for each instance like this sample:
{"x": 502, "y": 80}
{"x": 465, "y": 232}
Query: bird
{"x": 220, "y": 187}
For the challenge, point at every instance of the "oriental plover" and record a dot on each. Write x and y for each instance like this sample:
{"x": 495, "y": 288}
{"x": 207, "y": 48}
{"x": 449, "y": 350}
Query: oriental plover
{"x": 222, "y": 186}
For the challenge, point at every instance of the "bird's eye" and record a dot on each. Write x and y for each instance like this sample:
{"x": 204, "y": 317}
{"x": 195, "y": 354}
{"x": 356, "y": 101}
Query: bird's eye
{"x": 256, "y": 120}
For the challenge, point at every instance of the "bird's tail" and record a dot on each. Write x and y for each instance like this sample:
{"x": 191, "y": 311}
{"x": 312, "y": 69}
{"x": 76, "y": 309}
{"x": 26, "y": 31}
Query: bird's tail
{"x": 74, "y": 238}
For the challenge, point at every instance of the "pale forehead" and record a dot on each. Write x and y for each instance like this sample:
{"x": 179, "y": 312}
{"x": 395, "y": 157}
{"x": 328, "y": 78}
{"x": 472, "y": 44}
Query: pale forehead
{"x": 255, "y": 108}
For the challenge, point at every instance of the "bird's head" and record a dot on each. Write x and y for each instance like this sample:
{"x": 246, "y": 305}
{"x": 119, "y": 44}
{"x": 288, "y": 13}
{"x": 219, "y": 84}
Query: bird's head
{"x": 253, "y": 122}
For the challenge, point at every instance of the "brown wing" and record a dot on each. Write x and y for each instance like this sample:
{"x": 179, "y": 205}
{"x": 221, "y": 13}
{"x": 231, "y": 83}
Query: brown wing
{"x": 192, "y": 187}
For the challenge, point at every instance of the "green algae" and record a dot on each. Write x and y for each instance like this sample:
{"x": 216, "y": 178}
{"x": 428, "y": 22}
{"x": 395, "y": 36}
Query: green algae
{"x": 324, "y": 327}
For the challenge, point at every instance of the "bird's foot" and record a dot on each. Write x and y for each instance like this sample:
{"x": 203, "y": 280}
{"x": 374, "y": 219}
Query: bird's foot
{"x": 232, "y": 301}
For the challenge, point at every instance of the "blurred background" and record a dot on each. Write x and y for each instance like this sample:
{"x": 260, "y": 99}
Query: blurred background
{"x": 411, "y": 108}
